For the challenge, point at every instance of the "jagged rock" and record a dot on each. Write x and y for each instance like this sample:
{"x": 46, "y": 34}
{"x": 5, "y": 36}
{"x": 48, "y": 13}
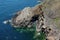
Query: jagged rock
{"x": 27, "y": 17}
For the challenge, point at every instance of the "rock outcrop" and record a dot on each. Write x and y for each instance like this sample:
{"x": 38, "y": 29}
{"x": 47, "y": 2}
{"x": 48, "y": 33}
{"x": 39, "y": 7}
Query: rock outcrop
{"x": 46, "y": 16}
{"x": 27, "y": 17}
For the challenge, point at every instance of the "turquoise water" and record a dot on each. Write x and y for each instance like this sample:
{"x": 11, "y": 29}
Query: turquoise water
{"x": 7, "y": 9}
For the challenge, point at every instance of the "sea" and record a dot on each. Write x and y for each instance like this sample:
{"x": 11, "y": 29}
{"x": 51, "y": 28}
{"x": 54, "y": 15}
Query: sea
{"x": 7, "y": 9}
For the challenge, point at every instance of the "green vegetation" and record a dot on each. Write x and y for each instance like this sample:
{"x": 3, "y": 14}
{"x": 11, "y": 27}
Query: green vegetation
{"x": 57, "y": 22}
{"x": 26, "y": 29}
{"x": 36, "y": 35}
{"x": 39, "y": 36}
{"x": 56, "y": 19}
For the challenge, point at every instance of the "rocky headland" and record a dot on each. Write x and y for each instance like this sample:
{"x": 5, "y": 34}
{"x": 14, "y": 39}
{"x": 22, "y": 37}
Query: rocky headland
{"x": 45, "y": 16}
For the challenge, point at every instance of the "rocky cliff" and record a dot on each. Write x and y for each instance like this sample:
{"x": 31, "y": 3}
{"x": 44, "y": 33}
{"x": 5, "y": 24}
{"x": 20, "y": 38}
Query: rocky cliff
{"x": 45, "y": 15}
{"x": 27, "y": 16}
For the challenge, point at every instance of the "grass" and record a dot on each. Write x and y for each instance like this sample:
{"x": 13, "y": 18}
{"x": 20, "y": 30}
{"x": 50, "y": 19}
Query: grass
{"x": 57, "y": 20}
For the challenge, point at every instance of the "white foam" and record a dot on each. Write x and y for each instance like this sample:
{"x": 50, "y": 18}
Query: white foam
{"x": 5, "y": 22}
{"x": 38, "y": 1}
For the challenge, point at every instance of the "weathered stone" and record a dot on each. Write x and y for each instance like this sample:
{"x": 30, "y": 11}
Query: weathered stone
{"x": 45, "y": 17}
{"x": 27, "y": 16}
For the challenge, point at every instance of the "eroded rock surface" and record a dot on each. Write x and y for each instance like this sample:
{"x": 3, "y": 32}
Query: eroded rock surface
{"x": 27, "y": 17}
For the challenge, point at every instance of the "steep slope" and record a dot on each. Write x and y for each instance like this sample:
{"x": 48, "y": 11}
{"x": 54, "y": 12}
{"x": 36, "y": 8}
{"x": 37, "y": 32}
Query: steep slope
{"x": 52, "y": 15}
